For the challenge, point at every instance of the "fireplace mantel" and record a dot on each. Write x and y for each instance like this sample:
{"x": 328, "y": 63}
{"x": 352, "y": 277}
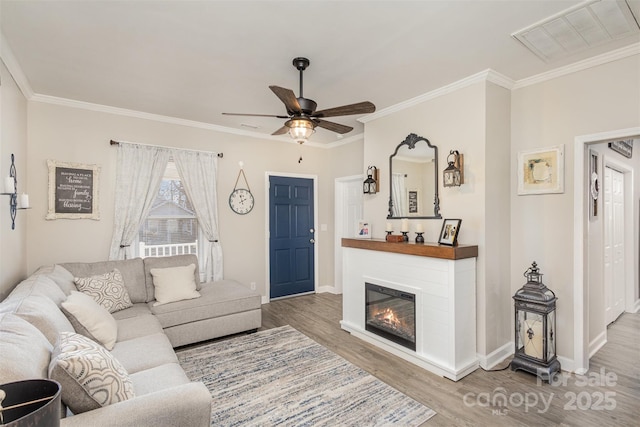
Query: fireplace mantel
{"x": 443, "y": 280}
{"x": 432, "y": 250}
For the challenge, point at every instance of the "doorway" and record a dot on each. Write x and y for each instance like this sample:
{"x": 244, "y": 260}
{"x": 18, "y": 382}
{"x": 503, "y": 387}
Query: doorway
{"x": 292, "y": 236}
{"x": 614, "y": 244}
{"x": 348, "y": 211}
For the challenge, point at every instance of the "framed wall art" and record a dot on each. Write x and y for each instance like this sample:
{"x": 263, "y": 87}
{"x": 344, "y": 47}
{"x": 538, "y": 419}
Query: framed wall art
{"x": 73, "y": 190}
{"x": 449, "y": 232}
{"x": 624, "y": 147}
{"x": 541, "y": 171}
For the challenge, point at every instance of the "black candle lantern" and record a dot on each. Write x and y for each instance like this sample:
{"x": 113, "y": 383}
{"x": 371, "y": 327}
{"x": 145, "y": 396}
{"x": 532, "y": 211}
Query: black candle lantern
{"x": 370, "y": 185}
{"x": 535, "y": 324}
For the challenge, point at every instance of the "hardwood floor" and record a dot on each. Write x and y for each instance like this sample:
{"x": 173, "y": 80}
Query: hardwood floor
{"x": 608, "y": 396}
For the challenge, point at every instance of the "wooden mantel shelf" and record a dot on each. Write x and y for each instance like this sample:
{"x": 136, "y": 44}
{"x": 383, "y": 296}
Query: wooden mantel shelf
{"x": 432, "y": 250}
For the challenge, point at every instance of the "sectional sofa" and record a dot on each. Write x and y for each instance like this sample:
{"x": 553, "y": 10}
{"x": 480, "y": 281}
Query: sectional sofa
{"x": 70, "y": 321}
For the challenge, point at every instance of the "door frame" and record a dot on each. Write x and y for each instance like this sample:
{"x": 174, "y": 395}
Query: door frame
{"x": 580, "y": 245}
{"x": 339, "y": 187}
{"x": 267, "y": 276}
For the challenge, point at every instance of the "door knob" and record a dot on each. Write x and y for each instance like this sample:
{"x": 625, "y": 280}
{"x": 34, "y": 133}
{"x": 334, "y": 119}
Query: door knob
{"x": 312, "y": 240}
{"x": 311, "y": 230}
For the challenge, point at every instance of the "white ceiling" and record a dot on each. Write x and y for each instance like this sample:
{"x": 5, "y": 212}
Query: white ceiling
{"x": 196, "y": 59}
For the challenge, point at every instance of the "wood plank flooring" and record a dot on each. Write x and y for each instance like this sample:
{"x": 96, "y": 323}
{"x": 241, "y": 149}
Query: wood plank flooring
{"x": 608, "y": 396}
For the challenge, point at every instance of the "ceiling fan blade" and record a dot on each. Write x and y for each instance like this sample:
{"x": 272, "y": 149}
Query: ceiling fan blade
{"x": 281, "y": 131}
{"x": 255, "y": 115}
{"x": 288, "y": 98}
{"x": 334, "y": 127}
{"x": 346, "y": 110}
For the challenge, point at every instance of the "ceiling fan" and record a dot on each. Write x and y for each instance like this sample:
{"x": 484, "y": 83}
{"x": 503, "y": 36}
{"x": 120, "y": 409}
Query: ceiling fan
{"x": 302, "y": 117}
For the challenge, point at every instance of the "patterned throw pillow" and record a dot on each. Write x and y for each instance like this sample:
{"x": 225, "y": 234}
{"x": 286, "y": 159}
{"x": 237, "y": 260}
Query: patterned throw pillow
{"x": 89, "y": 375}
{"x": 107, "y": 289}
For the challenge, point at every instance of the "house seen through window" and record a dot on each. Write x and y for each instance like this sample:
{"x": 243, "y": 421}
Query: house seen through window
{"x": 171, "y": 228}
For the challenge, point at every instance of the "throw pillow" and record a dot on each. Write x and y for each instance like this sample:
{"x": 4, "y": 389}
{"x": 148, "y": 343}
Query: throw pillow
{"x": 90, "y": 319}
{"x": 107, "y": 289}
{"x": 174, "y": 284}
{"x": 89, "y": 375}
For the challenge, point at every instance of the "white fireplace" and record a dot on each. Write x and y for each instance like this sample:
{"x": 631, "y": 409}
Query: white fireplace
{"x": 445, "y": 304}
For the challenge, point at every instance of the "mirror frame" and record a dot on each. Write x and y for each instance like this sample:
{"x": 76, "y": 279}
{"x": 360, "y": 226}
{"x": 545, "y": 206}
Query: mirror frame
{"x": 410, "y": 141}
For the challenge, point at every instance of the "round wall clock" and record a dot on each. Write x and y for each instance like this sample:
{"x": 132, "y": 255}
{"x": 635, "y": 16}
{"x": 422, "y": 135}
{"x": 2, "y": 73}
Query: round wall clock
{"x": 241, "y": 201}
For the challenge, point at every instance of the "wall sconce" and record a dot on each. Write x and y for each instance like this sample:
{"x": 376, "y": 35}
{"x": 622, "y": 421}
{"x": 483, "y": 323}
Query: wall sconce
{"x": 11, "y": 189}
{"x": 370, "y": 185}
{"x": 453, "y": 175}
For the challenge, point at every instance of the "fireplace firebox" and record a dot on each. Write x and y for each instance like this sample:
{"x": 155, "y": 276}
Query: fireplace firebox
{"x": 391, "y": 314}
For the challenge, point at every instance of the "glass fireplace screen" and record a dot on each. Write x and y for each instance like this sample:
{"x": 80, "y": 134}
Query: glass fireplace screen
{"x": 391, "y": 314}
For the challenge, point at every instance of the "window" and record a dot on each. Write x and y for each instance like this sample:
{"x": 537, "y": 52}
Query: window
{"x": 171, "y": 228}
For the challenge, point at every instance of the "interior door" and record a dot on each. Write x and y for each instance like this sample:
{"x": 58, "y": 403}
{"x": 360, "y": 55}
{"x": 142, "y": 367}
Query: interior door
{"x": 348, "y": 211}
{"x": 613, "y": 244}
{"x": 291, "y": 236}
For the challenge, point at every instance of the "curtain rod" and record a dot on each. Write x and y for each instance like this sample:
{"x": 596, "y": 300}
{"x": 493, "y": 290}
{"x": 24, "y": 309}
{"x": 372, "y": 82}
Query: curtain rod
{"x": 112, "y": 142}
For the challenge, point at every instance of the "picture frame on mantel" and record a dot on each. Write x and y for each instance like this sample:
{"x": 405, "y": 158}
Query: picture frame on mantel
{"x": 73, "y": 191}
{"x": 449, "y": 232}
{"x": 541, "y": 171}
{"x": 363, "y": 230}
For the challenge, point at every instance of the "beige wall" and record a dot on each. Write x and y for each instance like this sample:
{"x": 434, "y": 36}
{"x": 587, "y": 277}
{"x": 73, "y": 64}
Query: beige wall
{"x": 600, "y": 99}
{"x": 13, "y": 140}
{"x": 75, "y": 135}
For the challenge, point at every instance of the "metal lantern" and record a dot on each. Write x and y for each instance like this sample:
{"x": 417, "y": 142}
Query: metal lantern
{"x": 535, "y": 324}
{"x": 370, "y": 185}
{"x": 453, "y": 176}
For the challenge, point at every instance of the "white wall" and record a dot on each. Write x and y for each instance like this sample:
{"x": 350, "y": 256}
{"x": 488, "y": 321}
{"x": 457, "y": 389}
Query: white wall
{"x": 76, "y": 135}
{"x": 554, "y": 112}
{"x": 13, "y": 140}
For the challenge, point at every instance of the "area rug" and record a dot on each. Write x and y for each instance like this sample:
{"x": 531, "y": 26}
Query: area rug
{"x": 282, "y": 377}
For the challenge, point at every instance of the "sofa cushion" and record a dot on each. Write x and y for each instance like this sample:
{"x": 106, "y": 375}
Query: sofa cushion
{"x": 91, "y": 319}
{"x": 132, "y": 271}
{"x": 145, "y": 352}
{"x": 24, "y": 350}
{"x": 165, "y": 262}
{"x": 38, "y": 285}
{"x": 89, "y": 375}
{"x": 106, "y": 289}
{"x": 174, "y": 284}
{"x": 159, "y": 378}
{"x": 60, "y": 275}
{"x": 219, "y": 298}
{"x": 137, "y": 309}
{"x": 42, "y": 313}
{"x": 135, "y": 327}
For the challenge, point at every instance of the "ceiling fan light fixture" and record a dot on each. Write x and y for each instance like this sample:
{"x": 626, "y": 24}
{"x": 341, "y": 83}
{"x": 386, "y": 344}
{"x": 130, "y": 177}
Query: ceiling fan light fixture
{"x": 300, "y": 128}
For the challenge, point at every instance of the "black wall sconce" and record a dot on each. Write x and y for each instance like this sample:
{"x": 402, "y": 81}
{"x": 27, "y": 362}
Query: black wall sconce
{"x": 453, "y": 175}
{"x": 370, "y": 185}
{"x": 11, "y": 189}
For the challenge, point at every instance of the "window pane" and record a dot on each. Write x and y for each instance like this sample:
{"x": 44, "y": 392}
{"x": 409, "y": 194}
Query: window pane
{"x": 171, "y": 227}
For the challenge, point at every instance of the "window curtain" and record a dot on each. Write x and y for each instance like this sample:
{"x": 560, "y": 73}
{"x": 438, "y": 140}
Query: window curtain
{"x": 399, "y": 195}
{"x": 198, "y": 171}
{"x": 139, "y": 172}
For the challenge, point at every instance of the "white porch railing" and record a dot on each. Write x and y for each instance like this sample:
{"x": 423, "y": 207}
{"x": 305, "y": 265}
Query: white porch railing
{"x": 146, "y": 251}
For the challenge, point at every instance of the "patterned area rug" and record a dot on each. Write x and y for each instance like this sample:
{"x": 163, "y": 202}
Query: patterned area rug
{"x": 282, "y": 377}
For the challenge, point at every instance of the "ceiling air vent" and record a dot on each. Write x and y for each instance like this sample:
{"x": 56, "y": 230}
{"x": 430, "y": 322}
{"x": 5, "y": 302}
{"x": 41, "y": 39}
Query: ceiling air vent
{"x": 579, "y": 28}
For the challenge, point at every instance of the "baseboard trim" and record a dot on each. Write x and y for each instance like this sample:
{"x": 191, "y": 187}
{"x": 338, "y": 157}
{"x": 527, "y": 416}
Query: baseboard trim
{"x": 495, "y": 357}
{"x": 597, "y": 343}
{"x": 327, "y": 289}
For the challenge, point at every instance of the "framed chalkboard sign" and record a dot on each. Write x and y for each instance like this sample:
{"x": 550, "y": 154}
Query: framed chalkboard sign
{"x": 73, "y": 190}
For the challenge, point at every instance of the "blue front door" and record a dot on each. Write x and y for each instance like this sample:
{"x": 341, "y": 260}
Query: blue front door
{"x": 291, "y": 236}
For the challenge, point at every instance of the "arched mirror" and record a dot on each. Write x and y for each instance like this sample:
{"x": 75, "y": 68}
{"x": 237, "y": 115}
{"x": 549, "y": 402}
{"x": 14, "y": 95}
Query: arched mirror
{"x": 413, "y": 170}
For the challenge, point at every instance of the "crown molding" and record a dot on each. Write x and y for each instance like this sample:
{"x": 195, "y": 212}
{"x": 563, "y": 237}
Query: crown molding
{"x": 10, "y": 61}
{"x": 71, "y": 103}
{"x": 487, "y": 75}
{"x": 614, "y": 55}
